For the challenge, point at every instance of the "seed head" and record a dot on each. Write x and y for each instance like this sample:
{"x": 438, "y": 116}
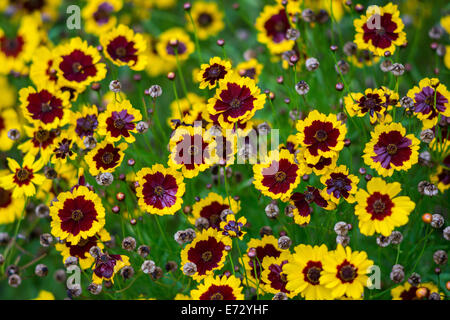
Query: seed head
{"x": 280, "y": 296}
{"x": 437, "y": 221}
{"x": 148, "y": 266}
{"x": 104, "y": 179}
{"x": 386, "y": 66}
{"x": 171, "y": 266}
{"x": 312, "y": 64}
{"x": 95, "y": 252}
{"x": 184, "y": 236}
{"x": 302, "y": 87}
{"x": 94, "y": 288}
{"x": 272, "y": 210}
{"x": 142, "y": 127}
{"x": 343, "y": 240}
{"x": 127, "y": 272}
{"x": 143, "y": 250}
{"x": 427, "y": 188}
{"x": 397, "y": 69}
{"x": 14, "y": 280}
{"x": 341, "y": 228}
{"x": 14, "y": 134}
{"x": 71, "y": 261}
{"x": 202, "y": 223}
{"x": 440, "y": 257}
{"x": 129, "y": 244}
{"x": 284, "y": 242}
{"x": 115, "y": 86}
{"x": 446, "y": 233}
{"x": 407, "y": 103}
{"x": 383, "y": 241}
{"x": 155, "y": 91}
{"x": 292, "y": 34}
{"x": 41, "y": 270}
{"x": 396, "y": 237}
{"x": 265, "y": 230}
{"x": 90, "y": 142}
{"x": 189, "y": 268}
{"x": 46, "y": 239}
{"x": 398, "y": 273}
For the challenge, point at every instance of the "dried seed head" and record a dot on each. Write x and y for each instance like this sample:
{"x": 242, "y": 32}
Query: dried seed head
{"x": 350, "y": 48}
{"x": 308, "y": 15}
{"x": 90, "y": 142}
{"x": 104, "y": 179}
{"x": 14, "y": 134}
{"x": 41, "y": 270}
{"x": 59, "y": 275}
{"x": 272, "y": 210}
{"x": 265, "y": 230}
{"x": 386, "y": 66}
{"x": 343, "y": 240}
{"x": 263, "y": 129}
{"x": 284, "y": 242}
{"x": 155, "y": 91}
{"x": 42, "y": 210}
{"x": 302, "y": 87}
{"x": 74, "y": 290}
{"x": 414, "y": 279}
{"x": 189, "y": 268}
{"x": 202, "y": 223}
{"x": 143, "y": 250}
{"x": 142, "y": 127}
{"x": 341, "y": 228}
{"x": 434, "y": 296}
{"x": 71, "y": 261}
{"x": 50, "y": 173}
{"x": 446, "y": 233}
{"x": 407, "y": 103}
{"x": 94, "y": 288}
{"x": 280, "y": 296}
{"x": 398, "y": 273}
{"x": 441, "y": 50}
{"x": 342, "y": 66}
{"x": 425, "y": 159}
{"x": 129, "y": 244}
{"x": 148, "y": 266}
{"x": 397, "y": 69}
{"x": 436, "y": 32}
{"x": 14, "y": 280}
{"x": 289, "y": 210}
{"x": 157, "y": 274}
{"x": 312, "y": 64}
{"x": 437, "y": 221}
{"x": 440, "y": 257}
{"x": 292, "y": 34}
{"x": 184, "y": 236}
{"x": 427, "y": 135}
{"x": 45, "y": 239}
{"x": 396, "y": 237}
{"x": 95, "y": 252}
{"x": 115, "y": 86}
{"x": 427, "y": 188}
{"x": 224, "y": 213}
{"x": 4, "y": 238}
{"x": 171, "y": 266}
{"x": 127, "y": 272}
{"x": 12, "y": 269}
{"x": 383, "y": 241}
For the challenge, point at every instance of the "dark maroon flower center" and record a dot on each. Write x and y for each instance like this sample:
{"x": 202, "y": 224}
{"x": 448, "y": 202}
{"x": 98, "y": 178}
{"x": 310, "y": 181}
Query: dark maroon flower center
{"x": 103, "y": 12}
{"x": 122, "y": 49}
{"x": 214, "y": 73}
{"x": 212, "y": 213}
{"x": 63, "y": 149}
{"x": 339, "y": 185}
{"x": 429, "y": 102}
{"x": 276, "y": 26}
{"x": 86, "y": 126}
{"x": 205, "y": 19}
{"x": 206, "y": 254}
{"x": 5, "y": 198}
{"x": 312, "y": 272}
{"x": 215, "y": 292}
{"x": 371, "y": 103}
{"x": 392, "y": 148}
{"x": 196, "y": 151}
{"x": 382, "y": 35}
{"x": 107, "y": 157}
{"x": 320, "y": 136}
{"x": 23, "y": 176}
{"x": 77, "y": 215}
{"x": 379, "y": 206}
{"x": 159, "y": 190}
{"x": 180, "y": 48}
{"x": 11, "y": 47}
{"x": 281, "y": 181}
{"x": 346, "y": 272}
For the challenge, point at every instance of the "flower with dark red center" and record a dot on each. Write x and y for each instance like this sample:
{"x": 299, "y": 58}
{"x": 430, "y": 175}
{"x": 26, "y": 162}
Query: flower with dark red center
{"x": 160, "y": 190}
{"x": 379, "y": 209}
{"x": 84, "y": 124}
{"x": 192, "y": 149}
{"x": 9, "y": 206}
{"x": 372, "y": 102}
{"x": 78, "y": 64}
{"x": 442, "y": 176}
{"x": 210, "y": 74}
{"x": 409, "y": 292}
{"x": 304, "y": 271}
{"x": 275, "y": 279}
{"x": 11, "y": 47}
{"x": 107, "y": 265}
{"x": 431, "y": 99}
{"x": 119, "y": 120}
{"x": 224, "y": 288}
{"x": 391, "y": 149}
{"x": 339, "y": 184}
{"x": 380, "y": 30}
{"x": 207, "y": 19}
{"x": 303, "y": 201}
{"x": 105, "y": 157}
{"x": 250, "y": 69}
{"x": 207, "y": 252}
{"x": 43, "y": 108}
{"x": 321, "y": 135}
{"x": 77, "y": 215}
{"x": 278, "y": 175}
{"x": 174, "y": 44}
{"x": 124, "y": 47}
{"x": 272, "y": 25}
{"x": 236, "y": 100}
{"x": 211, "y": 207}
{"x": 345, "y": 272}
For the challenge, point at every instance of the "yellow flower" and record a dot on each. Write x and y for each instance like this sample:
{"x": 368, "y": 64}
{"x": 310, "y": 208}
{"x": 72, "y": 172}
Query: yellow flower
{"x": 191, "y": 107}
{"x": 43, "y": 71}
{"x": 63, "y": 149}
{"x": 380, "y": 210}
{"x": 84, "y": 123}
{"x": 208, "y": 19}
{"x": 99, "y": 15}
{"x": 345, "y": 272}
{"x": 174, "y": 43}
{"x": 8, "y": 120}
{"x": 10, "y": 208}
{"x": 408, "y": 292}
{"x": 210, "y": 74}
{"x": 158, "y": 65}
{"x": 105, "y": 157}
{"x": 219, "y": 288}
{"x": 23, "y": 178}
{"x": 106, "y": 267}
{"x": 232, "y": 227}
{"x": 274, "y": 276}
{"x": 45, "y": 295}
{"x": 124, "y": 47}
{"x": 339, "y": 184}
{"x": 372, "y": 102}
{"x": 250, "y": 69}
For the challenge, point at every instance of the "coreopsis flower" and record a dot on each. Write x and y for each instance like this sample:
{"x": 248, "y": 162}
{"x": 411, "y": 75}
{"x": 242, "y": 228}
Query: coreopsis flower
{"x": 236, "y": 99}
{"x": 78, "y": 64}
{"x": 107, "y": 265}
{"x": 345, "y": 272}
{"x": 274, "y": 276}
{"x": 272, "y": 25}
{"x": 441, "y": 178}
{"x": 82, "y": 248}
{"x": 302, "y": 204}
{"x": 379, "y": 209}
{"x": 10, "y": 208}
{"x": 23, "y": 179}
{"x": 265, "y": 247}
{"x": 219, "y": 288}
{"x": 8, "y": 120}
{"x": 190, "y": 108}
{"x": 42, "y": 69}
{"x": 45, "y": 108}
{"x": 372, "y": 102}
{"x": 304, "y": 270}
{"x": 99, "y": 15}
{"x": 390, "y": 149}
{"x": 232, "y": 227}
{"x": 124, "y": 47}
{"x": 17, "y": 48}
{"x": 211, "y": 207}
{"x": 207, "y": 252}
{"x": 339, "y": 184}
{"x": 409, "y": 292}
{"x": 105, "y": 157}
{"x": 157, "y": 66}
{"x": 77, "y": 215}
{"x": 192, "y": 150}
{"x": 84, "y": 123}
{"x": 208, "y": 19}
{"x": 63, "y": 149}
{"x": 174, "y": 44}
{"x": 321, "y": 135}
{"x": 380, "y": 30}
{"x": 278, "y": 175}
{"x": 431, "y": 100}
{"x": 160, "y": 190}
{"x": 321, "y": 167}
{"x": 250, "y": 69}
{"x": 210, "y": 73}
{"x": 119, "y": 120}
